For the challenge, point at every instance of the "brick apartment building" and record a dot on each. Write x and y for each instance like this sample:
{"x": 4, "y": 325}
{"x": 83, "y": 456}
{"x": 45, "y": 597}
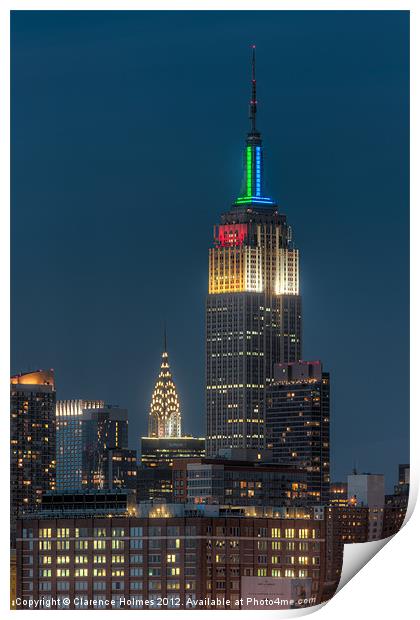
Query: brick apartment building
{"x": 177, "y": 553}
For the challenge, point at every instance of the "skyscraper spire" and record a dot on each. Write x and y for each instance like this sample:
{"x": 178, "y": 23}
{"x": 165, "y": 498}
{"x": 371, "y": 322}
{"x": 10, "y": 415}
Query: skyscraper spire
{"x": 165, "y": 347}
{"x": 252, "y": 187}
{"x": 253, "y": 102}
{"x": 165, "y": 409}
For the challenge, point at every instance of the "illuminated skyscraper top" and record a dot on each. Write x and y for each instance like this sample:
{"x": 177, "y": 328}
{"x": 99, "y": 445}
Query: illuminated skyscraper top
{"x": 252, "y": 187}
{"x": 165, "y": 412}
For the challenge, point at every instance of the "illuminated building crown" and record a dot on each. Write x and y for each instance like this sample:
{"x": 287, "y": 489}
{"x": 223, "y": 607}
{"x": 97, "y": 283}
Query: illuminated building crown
{"x": 252, "y": 188}
{"x": 165, "y": 413}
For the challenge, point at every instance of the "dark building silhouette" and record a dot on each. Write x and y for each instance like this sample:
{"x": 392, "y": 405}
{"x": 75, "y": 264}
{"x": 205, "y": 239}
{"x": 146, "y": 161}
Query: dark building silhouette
{"x": 87, "y": 503}
{"x": 237, "y": 483}
{"x": 106, "y": 459}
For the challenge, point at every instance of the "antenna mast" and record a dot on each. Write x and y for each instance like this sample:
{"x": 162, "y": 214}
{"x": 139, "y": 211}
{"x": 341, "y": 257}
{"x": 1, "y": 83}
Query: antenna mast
{"x": 253, "y": 102}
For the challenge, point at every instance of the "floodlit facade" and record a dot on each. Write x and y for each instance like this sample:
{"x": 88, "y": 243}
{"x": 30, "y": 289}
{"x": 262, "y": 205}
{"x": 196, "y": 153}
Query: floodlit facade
{"x": 253, "y": 310}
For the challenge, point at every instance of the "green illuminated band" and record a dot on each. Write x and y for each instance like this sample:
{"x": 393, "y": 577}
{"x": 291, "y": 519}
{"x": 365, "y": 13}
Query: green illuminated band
{"x": 253, "y": 178}
{"x": 249, "y": 199}
{"x": 249, "y": 170}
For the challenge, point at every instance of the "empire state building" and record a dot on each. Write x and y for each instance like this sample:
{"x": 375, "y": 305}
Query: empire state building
{"x": 253, "y": 309}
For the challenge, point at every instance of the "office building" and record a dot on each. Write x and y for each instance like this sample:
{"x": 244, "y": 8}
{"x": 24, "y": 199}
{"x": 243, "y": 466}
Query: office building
{"x": 104, "y": 429}
{"x": 369, "y": 490}
{"x": 154, "y": 483}
{"x": 298, "y": 423}
{"x": 179, "y": 552}
{"x": 366, "y": 489}
{"x": 32, "y": 441}
{"x": 164, "y": 451}
{"x": 237, "y": 483}
{"x": 253, "y": 309}
{"x": 154, "y": 476}
{"x": 121, "y": 469}
{"x": 69, "y": 416}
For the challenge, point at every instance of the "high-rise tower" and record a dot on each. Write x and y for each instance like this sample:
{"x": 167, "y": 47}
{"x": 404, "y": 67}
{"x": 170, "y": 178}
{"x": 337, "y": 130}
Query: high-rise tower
{"x": 165, "y": 411}
{"x": 69, "y": 447}
{"x": 32, "y": 441}
{"x": 298, "y": 423}
{"x": 253, "y": 311}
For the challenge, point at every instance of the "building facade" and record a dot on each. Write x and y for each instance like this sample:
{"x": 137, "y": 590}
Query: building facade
{"x": 121, "y": 469}
{"x": 338, "y": 494}
{"x": 404, "y": 474}
{"x": 366, "y": 489}
{"x": 369, "y": 490}
{"x": 158, "y": 455}
{"x": 396, "y": 504}
{"x": 395, "y": 510}
{"x": 298, "y": 423}
{"x": 87, "y": 503}
{"x": 69, "y": 416}
{"x": 32, "y": 441}
{"x": 175, "y": 553}
{"x": 156, "y": 452}
{"x": 154, "y": 483}
{"x": 237, "y": 483}
{"x": 350, "y": 523}
{"x": 104, "y": 430}
{"x": 253, "y": 309}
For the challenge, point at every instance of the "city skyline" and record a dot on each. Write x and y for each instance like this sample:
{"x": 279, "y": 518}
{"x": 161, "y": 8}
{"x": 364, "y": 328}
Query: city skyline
{"x": 93, "y": 379}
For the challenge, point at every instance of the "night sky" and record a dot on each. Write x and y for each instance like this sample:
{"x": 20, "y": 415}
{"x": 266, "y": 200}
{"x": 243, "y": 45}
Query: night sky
{"x": 127, "y": 138}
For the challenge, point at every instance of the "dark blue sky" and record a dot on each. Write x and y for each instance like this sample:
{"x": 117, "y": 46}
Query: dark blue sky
{"x": 127, "y": 138}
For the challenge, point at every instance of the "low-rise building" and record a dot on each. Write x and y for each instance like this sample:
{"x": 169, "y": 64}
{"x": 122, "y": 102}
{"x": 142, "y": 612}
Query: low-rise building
{"x": 179, "y": 556}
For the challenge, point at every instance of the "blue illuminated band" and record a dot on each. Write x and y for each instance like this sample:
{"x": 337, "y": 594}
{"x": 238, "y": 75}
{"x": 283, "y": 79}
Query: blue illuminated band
{"x": 258, "y": 170}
